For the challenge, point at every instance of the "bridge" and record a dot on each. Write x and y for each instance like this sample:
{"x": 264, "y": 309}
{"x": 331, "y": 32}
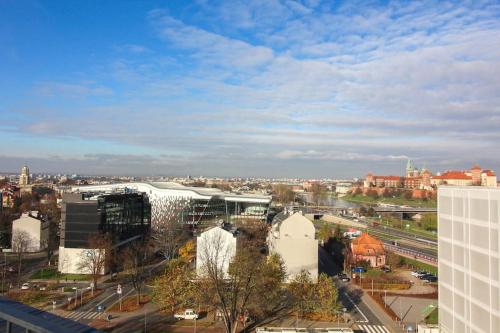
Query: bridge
{"x": 377, "y": 209}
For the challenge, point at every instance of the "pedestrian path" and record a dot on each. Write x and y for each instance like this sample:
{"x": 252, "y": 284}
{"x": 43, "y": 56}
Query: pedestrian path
{"x": 77, "y": 315}
{"x": 373, "y": 328}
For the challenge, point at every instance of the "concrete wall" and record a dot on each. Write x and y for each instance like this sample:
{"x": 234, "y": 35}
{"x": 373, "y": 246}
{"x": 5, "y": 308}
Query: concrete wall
{"x": 70, "y": 259}
{"x": 38, "y": 236}
{"x": 469, "y": 259}
{"x": 215, "y": 246}
{"x": 294, "y": 240}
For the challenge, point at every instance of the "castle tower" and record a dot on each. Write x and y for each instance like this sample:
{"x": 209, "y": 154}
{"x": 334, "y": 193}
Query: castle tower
{"x": 24, "y": 178}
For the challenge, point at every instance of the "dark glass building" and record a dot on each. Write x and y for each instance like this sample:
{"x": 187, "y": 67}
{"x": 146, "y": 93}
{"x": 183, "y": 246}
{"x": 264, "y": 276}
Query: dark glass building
{"x": 122, "y": 216}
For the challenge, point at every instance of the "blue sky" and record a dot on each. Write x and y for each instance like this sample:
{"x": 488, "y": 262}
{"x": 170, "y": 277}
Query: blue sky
{"x": 248, "y": 88}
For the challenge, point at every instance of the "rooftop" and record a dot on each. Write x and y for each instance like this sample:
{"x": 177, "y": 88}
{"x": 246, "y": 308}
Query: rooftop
{"x": 37, "y": 320}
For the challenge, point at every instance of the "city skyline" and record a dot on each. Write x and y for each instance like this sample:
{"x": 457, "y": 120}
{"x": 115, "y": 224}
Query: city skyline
{"x": 292, "y": 89}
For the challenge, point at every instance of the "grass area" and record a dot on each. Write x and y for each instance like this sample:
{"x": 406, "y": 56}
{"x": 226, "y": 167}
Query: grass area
{"x": 31, "y": 297}
{"x": 415, "y": 264}
{"x": 52, "y": 274}
{"x": 393, "y": 201}
{"x": 432, "y": 318}
{"x": 372, "y": 273}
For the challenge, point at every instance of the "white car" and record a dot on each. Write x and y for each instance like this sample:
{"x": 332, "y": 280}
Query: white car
{"x": 188, "y": 314}
{"x": 25, "y": 286}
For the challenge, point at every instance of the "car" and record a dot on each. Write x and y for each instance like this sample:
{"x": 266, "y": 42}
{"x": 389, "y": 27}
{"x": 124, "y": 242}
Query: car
{"x": 417, "y": 272}
{"x": 425, "y": 276}
{"x": 25, "y": 286}
{"x": 385, "y": 269}
{"x": 430, "y": 278}
{"x": 187, "y": 314}
{"x": 343, "y": 277}
{"x": 422, "y": 274}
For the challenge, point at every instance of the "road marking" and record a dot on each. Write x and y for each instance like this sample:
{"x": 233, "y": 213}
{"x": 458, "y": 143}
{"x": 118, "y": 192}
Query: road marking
{"x": 374, "y": 328}
{"x": 357, "y": 308}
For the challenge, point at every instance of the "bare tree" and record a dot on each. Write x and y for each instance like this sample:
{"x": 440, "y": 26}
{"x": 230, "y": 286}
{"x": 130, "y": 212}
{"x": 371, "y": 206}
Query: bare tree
{"x": 318, "y": 193}
{"x": 21, "y": 241}
{"x": 236, "y": 289}
{"x": 284, "y": 193}
{"x": 96, "y": 257}
{"x": 134, "y": 261}
{"x": 168, "y": 219}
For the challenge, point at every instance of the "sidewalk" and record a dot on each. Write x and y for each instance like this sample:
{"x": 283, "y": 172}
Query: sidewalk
{"x": 380, "y": 314}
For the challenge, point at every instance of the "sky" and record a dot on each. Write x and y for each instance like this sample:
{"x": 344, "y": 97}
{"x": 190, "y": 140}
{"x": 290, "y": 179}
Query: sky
{"x": 310, "y": 89}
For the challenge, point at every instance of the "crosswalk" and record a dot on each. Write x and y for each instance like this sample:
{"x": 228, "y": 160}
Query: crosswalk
{"x": 374, "y": 328}
{"x": 77, "y": 315}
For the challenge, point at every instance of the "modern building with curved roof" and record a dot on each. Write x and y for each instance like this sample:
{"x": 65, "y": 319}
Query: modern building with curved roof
{"x": 195, "y": 204}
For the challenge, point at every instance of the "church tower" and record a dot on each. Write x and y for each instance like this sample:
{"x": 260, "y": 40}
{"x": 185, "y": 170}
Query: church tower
{"x": 409, "y": 168}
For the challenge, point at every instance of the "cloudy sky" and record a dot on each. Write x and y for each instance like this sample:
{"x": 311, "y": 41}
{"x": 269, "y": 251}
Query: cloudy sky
{"x": 250, "y": 88}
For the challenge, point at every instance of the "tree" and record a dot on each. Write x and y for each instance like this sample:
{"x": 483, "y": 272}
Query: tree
{"x": 175, "y": 289}
{"x": 357, "y": 191}
{"x": 134, "y": 261}
{"x": 326, "y": 302}
{"x": 21, "y": 242}
{"x": 318, "y": 193}
{"x": 249, "y": 277}
{"x": 168, "y": 225}
{"x": 283, "y": 193}
{"x": 324, "y": 233}
{"x": 301, "y": 289}
{"x": 337, "y": 234}
{"x": 95, "y": 259}
{"x": 187, "y": 251}
{"x": 429, "y": 221}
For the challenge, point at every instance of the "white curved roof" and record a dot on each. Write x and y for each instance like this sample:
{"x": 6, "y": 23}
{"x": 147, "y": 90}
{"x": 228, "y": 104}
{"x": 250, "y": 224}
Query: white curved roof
{"x": 166, "y": 189}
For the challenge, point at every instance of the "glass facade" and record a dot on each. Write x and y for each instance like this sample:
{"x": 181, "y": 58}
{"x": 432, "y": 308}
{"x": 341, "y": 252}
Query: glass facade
{"x": 122, "y": 216}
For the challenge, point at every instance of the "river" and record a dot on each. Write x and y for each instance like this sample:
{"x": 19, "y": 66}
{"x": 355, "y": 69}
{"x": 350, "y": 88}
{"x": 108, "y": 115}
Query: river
{"x": 332, "y": 201}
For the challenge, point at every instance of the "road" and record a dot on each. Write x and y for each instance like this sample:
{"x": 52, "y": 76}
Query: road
{"x": 88, "y": 312}
{"x": 351, "y": 297}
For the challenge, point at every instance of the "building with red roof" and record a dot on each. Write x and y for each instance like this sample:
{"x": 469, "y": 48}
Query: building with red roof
{"x": 369, "y": 248}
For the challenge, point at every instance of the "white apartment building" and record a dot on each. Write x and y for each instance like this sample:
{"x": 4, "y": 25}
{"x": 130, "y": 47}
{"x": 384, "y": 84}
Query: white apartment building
{"x": 469, "y": 258}
{"x": 293, "y": 238}
{"x": 34, "y": 230}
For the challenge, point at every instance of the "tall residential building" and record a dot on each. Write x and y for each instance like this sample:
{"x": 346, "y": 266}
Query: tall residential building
{"x": 469, "y": 259}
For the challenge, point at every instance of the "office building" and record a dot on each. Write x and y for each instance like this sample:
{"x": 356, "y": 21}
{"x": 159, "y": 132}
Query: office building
{"x": 469, "y": 258}
{"x": 197, "y": 205}
{"x": 123, "y": 217}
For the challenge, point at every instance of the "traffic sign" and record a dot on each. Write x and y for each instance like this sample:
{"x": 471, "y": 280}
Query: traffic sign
{"x": 119, "y": 289}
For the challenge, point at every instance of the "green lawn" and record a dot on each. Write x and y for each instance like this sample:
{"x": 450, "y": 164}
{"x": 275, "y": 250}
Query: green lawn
{"x": 432, "y": 318}
{"x": 420, "y": 265}
{"x": 393, "y": 201}
{"x": 53, "y": 274}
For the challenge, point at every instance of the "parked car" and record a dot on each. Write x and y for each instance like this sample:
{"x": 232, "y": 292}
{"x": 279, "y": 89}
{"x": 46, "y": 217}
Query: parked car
{"x": 187, "y": 314}
{"x": 386, "y": 269}
{"x": 343, "y": 277}
{"x": 430, "y": 278}
{"x": 422, "y": 274}
{"x": 25, "y": 286}
{"x": 425, "y": 276}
